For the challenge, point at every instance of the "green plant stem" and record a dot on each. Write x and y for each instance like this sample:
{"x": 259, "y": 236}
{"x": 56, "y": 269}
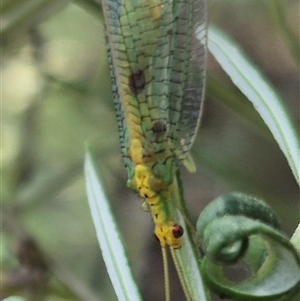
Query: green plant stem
{"x": 182, "y": 202}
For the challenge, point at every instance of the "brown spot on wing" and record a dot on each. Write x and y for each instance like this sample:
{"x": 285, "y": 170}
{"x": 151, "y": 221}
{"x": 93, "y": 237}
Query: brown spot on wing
{"x": 159, "y": 128}
{"x": 137, "y": 82}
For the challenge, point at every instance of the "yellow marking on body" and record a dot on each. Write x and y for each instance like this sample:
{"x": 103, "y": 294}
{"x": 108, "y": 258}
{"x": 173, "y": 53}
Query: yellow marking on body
{"x": 154, "y": 190}
{"x": 165, "y": 235}
{"x": 151, "y": 187}
{"x": 136, "y": 151}
{"x": 142, "y": 180}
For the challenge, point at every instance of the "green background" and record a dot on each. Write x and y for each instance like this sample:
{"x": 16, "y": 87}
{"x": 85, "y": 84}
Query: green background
{"x": 56, "y": 96}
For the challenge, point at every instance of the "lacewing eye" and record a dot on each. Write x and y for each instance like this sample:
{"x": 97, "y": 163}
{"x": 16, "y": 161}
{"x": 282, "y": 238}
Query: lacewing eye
{"x": 177, "y": 231}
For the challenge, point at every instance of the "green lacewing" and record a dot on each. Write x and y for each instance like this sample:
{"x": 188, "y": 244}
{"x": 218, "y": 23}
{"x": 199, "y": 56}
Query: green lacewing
{"x": 157, "y": 54}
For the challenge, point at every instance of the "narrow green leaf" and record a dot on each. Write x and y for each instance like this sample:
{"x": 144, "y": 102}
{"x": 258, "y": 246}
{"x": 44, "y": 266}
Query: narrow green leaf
{"x": 108, "y": 236}
{"x": 264, "y": 98}
{"x": 188, "y": 258}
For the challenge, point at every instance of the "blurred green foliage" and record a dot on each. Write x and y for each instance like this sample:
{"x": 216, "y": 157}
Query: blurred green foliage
{"x": 56, "y": 96}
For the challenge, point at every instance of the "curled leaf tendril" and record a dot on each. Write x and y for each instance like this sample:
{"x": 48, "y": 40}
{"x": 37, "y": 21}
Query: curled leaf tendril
{"x": 240, "y": 235}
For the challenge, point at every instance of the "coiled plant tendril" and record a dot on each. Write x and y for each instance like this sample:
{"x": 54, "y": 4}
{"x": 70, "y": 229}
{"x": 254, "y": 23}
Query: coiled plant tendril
{"x": 240, "y": 233}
